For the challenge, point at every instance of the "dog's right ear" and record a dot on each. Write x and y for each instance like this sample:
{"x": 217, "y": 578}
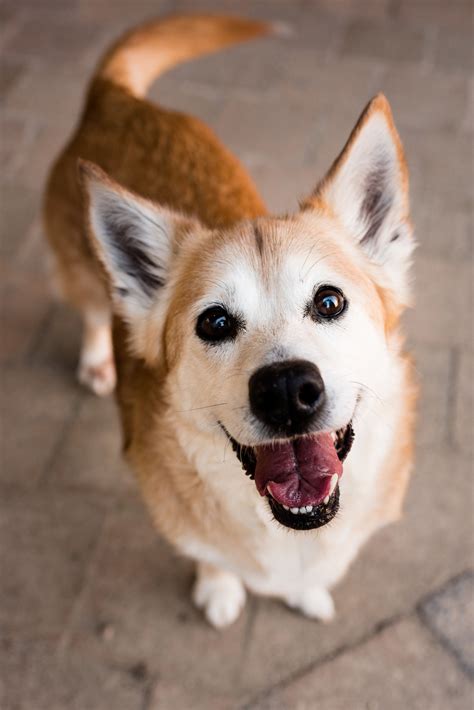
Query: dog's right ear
{"x": 133, "y": 238}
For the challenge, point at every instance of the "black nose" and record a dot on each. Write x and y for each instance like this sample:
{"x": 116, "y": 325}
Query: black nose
{"x": 286, "y": 395}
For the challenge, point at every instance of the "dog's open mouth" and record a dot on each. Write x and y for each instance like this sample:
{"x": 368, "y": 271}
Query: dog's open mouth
{"x": 299, "y": 476}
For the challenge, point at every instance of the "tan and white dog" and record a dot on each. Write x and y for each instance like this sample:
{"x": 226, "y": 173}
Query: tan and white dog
{"x": 243, "y": 343}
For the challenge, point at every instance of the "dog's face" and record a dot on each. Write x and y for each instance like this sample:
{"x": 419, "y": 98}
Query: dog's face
{"x": 273, "y": 331}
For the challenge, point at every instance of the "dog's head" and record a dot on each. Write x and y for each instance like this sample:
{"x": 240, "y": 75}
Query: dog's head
{"x": 273, "y": 332}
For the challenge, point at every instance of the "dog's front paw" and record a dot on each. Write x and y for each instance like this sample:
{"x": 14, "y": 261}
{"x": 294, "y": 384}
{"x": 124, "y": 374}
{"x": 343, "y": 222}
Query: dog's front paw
{"x": 315, "y": 603}
{"x": 99, "y": 378}
{"x": 220, "y": 595}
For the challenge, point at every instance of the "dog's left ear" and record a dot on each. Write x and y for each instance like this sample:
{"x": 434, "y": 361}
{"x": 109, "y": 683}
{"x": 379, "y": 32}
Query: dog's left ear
{"x": 367, "y": 190}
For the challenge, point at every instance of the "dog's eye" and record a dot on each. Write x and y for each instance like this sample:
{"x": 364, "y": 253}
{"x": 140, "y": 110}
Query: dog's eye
{"x": 329, "y": 302}
{"x": 216, "y": 324}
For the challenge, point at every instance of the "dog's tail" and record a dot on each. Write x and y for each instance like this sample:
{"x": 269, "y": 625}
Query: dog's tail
{"x": 145, "y": 52}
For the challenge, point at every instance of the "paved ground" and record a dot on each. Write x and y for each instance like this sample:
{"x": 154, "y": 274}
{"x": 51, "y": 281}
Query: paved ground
{"x": 95, "y": 613}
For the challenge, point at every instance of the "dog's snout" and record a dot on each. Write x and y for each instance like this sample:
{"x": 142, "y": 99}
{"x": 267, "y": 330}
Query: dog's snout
{"x": 286, "y": 395}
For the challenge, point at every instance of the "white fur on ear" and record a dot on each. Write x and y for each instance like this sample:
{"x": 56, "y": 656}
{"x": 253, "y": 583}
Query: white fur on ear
{"x": 133, "y": 240}
{"x": 367, "y": 189}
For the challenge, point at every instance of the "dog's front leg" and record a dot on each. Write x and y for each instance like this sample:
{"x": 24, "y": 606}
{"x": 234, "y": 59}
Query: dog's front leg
{"x": 220, "y": 594}
{"x": 315, "y": 603}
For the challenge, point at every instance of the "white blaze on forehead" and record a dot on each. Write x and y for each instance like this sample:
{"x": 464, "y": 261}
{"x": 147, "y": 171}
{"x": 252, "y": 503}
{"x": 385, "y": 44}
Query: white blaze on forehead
{"x": 233, "y": 284}
{"x": 271, "y": 291}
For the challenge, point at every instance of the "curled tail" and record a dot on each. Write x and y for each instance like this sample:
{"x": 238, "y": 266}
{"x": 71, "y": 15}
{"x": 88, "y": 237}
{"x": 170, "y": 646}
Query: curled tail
{"x": 145, "y": 52}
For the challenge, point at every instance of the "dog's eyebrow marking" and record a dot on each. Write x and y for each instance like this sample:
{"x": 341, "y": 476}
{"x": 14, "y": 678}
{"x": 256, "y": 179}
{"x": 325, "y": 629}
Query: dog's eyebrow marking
{"x": 258, "y": 240}
{"x": 378, "y": 200}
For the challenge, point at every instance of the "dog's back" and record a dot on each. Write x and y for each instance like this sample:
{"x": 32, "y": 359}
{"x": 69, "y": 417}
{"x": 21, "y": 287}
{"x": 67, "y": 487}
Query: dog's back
{"x": 165, "y": 155}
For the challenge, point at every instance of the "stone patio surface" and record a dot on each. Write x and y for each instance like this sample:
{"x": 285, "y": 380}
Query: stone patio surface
{"x": 95, "y": 611}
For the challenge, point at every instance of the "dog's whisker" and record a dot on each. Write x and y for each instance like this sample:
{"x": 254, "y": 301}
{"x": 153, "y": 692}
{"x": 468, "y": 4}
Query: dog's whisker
{"x": 227, "y": 446}
{"x": 206, "y": 406}
{"x": 318, "y": 261}
{"x": 310, "y": 251}
{"x": 368, "y": 389}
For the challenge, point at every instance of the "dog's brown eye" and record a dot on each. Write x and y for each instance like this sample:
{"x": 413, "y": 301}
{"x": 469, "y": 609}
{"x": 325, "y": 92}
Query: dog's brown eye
{"x": 329, "y": 302}
{"x": 216, "y": 324}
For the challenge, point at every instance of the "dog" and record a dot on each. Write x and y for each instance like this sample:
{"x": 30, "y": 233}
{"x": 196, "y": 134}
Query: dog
{"x": 266, "y": 401}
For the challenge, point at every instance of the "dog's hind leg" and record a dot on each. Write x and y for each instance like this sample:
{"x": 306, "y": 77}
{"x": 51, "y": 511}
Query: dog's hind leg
{"x": 96, "y": 364}
{"x": 76, "y": 275}
{"x": 79, "y": 284}
{"x": 220, "y": 594}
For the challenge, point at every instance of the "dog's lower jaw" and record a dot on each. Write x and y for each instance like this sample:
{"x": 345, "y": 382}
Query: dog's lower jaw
{"x": 319, "y": 515}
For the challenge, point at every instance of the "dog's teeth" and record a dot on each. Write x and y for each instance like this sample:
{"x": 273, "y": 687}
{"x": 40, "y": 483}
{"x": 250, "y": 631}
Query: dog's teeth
{"x": 299, "y": 511}
{"x": 333, "y": 435}
{"x": 326, "y": 500}
{"x": 333, "y": 485}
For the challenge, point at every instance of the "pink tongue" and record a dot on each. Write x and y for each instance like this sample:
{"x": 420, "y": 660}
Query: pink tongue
{"x": 297, "y": 473}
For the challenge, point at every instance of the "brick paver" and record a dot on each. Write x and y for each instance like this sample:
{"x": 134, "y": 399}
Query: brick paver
{"x": 401, "y": 667}
{"x": 94, "y": 608}
{"x": 449, "y": 614}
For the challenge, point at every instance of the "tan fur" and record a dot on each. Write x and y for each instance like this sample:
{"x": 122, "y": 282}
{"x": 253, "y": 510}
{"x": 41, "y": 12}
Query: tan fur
{"x": 175, "y": 160}
{"x": 141, "y": 55}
